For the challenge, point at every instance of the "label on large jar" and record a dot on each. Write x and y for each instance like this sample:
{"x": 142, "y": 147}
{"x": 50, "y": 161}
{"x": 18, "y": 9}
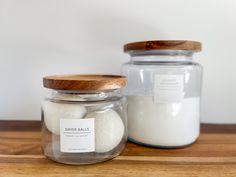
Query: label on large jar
{"x": 77, "y": 135}
{"x": 168, "y": 88}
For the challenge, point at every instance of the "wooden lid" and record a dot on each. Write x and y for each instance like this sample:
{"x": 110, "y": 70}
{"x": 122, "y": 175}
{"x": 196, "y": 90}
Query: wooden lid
{"x": 84, "y": 82}
{"x": 163, "y": 45}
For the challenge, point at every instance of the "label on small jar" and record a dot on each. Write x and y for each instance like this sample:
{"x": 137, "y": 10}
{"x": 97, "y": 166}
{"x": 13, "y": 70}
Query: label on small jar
{"x": 168, "y": 88}
{"x": 77, "y": 135}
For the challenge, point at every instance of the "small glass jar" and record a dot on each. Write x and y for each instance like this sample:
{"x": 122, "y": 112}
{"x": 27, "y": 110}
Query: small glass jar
{"x": 163, "y": 90}
{"x": 84, "y": 118}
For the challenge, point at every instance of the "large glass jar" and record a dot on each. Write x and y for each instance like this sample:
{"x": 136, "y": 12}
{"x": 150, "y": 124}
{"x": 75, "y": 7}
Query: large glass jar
{"x": 163, "y": 90}
{"x": 84, "y": 118}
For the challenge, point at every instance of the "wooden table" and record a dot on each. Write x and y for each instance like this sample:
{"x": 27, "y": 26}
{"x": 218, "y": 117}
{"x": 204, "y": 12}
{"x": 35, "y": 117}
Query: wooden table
{"x": 214, "y": 154}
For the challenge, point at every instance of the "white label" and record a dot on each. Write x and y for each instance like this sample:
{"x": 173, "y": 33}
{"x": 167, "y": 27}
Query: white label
{"x": 77, "y": 135}
{"x": 168, "y": 88}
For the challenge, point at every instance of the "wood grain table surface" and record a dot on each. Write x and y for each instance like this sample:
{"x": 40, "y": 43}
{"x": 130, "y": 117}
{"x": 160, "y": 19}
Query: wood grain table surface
{"x": 214, "y": 154}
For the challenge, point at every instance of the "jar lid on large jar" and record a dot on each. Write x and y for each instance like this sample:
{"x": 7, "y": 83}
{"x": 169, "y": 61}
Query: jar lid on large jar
{"x": 84, "y": 82}
{"x": 184, "y": 45}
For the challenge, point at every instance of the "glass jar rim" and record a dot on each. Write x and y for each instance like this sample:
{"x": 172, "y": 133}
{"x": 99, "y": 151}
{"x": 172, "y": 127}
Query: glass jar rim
{"x": 173, "y": 53}
{"x": 83, "y": 96}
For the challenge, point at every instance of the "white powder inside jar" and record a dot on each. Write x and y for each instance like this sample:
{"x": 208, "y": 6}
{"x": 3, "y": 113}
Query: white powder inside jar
{"x": 163, "y": 124}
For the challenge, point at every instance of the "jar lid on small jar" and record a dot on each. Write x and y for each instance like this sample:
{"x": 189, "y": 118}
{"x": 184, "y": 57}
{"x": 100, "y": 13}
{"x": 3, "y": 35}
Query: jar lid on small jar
{"x": 163, "y": 45}
{"x": 84, "y": 82}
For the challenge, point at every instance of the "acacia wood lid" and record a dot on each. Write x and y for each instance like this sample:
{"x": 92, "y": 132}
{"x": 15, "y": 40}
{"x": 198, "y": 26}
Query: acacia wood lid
{"x": 163, "y": 45}
{"x": 84, "y": 82}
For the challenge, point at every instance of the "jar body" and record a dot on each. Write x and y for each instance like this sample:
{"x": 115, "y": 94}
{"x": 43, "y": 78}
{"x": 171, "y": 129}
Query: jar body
{"x": 163, "y": 99}
{"x": 83, "y": 128}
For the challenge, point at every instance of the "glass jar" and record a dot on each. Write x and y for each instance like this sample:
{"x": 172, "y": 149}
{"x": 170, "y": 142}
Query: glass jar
{"x": 163, "y": 90}
{"x": 84, "y": 118}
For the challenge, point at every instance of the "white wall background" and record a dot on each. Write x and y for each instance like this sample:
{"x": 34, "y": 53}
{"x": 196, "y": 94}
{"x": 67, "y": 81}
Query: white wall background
{"x": 44, "y": 37}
